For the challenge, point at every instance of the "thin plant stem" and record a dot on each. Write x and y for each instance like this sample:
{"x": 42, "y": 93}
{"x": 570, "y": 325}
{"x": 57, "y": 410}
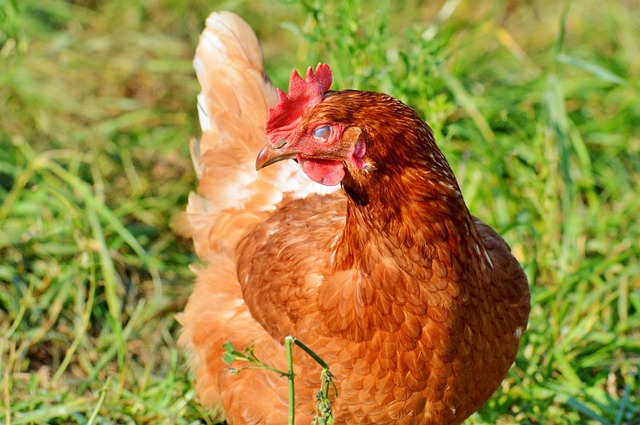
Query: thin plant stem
{"x": 290, "y": 378}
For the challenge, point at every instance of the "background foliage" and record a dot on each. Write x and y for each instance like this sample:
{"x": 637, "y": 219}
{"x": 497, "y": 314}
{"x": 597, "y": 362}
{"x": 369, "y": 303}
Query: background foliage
{"x": 536, "y": 105}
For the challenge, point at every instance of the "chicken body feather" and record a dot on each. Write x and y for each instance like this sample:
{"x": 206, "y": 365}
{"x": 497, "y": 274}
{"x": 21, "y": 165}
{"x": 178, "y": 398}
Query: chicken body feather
{"x": 417, "y": 307}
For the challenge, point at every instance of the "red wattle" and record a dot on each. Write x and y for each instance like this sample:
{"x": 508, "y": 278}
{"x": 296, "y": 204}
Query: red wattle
{"x": 323, "y": 171}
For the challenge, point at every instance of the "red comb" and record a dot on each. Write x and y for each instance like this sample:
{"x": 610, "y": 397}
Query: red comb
{"x": 303, "y": 94}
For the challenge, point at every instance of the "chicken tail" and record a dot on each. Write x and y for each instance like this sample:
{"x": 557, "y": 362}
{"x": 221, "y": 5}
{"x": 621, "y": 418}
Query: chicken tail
{"x": 233, "y": 106}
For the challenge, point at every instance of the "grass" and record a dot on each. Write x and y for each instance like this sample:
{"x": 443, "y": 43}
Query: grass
{"x": 536, "y": 105}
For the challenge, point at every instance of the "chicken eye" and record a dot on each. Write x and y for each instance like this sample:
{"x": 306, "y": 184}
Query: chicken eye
{"x": 322, "y": 133}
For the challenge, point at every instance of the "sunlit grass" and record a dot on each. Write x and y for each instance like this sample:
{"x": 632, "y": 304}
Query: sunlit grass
{"x": 536, "y": 105}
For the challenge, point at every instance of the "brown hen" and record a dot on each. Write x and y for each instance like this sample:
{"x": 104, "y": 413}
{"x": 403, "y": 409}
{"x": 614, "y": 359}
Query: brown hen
{"x": 417, "y": 306}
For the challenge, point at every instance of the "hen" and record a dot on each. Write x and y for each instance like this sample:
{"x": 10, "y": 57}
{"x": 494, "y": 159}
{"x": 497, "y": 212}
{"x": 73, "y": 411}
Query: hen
{"x": 417, "y": 306}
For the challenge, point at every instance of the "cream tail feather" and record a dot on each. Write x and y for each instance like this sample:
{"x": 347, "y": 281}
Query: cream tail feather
{"x": 232, "y": 196}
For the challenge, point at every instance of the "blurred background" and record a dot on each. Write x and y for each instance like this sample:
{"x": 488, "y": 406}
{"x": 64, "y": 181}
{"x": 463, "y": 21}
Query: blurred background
{"x": 536, "y": 105}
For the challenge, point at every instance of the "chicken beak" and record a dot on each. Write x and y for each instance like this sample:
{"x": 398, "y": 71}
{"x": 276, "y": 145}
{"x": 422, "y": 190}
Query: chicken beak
{"x": 270, "y": 155}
